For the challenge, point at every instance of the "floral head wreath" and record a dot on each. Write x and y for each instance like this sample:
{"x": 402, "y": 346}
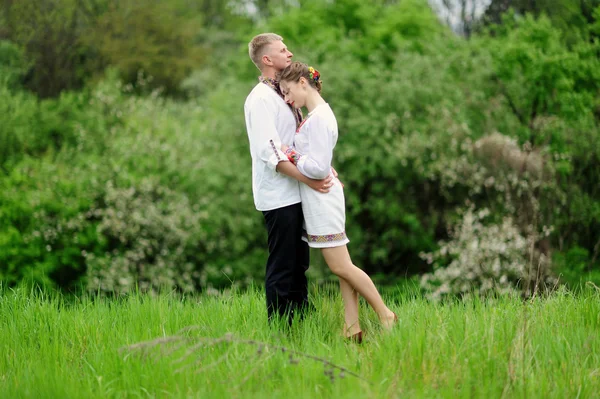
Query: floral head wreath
{"x": 314, "y": 74}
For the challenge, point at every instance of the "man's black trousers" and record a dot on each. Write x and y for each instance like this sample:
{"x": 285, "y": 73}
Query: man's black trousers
{"x": 285, "y": 282}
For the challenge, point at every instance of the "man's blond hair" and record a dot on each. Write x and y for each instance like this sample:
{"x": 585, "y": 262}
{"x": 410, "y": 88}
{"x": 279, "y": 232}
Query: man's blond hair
{"x": 258, "y": 46}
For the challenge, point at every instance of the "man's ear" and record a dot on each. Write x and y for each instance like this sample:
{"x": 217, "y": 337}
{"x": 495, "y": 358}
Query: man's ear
{"x": 266, "y": 60}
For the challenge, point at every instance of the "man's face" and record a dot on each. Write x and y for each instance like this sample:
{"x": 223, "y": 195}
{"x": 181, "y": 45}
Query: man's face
{"x": 279, "y": 56}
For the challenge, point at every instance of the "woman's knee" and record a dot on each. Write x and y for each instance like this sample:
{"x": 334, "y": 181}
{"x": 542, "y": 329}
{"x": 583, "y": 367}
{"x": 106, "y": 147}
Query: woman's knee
{"x": 340, "y": 269}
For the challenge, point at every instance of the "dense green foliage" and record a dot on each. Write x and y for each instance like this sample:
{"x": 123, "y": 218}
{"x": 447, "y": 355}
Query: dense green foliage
{"x": 141, "y": 196}
{"x": 115, "y": 185}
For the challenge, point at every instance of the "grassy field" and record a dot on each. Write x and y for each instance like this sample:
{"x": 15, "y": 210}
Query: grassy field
{"x": 219, "y": 346}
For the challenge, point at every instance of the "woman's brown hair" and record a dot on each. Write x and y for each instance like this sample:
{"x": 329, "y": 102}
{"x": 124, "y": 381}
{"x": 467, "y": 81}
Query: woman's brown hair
{"x": 297, "y": 70}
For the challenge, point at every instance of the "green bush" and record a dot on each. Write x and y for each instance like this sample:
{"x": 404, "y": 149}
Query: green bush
{"x": 150, "y": 234}
{"x": 551, "y": 90}
{"x": 74, "y": 120}
{"x": 487, "y": 259}
{"x": 12, "y": 64}
{"x": 50, "y": 34}
{"x": 52, "y": 176}
{"x": 111, "y": 190}
{"x": 573, "y": 267}
{"x": 156, "y": 204}
{"x": 149, "y": 39}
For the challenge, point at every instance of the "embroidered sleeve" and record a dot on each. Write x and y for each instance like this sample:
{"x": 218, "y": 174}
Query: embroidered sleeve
{"x": 275, "y": 152}
{"x": 264, "y": 139}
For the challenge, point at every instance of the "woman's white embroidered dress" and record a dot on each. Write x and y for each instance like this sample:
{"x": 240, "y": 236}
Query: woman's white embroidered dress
{"x": 324, "y": 213}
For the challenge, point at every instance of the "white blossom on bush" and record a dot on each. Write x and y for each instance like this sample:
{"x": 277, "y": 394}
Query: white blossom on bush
{"x": 486, "y": 259}
{"x": 153, "y": 230}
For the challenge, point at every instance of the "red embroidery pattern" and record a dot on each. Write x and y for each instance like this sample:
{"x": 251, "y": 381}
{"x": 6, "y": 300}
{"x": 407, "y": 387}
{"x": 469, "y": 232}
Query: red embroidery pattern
{"x": 325, "y": 238}
{"x": 300, "y": 126}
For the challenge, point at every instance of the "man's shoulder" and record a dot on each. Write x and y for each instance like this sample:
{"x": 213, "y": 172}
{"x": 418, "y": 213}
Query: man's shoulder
{"x": 260, "y": 92}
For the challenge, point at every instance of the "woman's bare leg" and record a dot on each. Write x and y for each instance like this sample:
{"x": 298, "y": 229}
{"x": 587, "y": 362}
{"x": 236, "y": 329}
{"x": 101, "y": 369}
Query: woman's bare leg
{"x": 350, "y": 298}
{"x": 338, "y": 260}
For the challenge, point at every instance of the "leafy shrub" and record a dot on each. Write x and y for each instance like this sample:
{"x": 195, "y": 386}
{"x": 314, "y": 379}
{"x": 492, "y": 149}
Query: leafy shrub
{"x": 486, "y": 260}
{"x": 143, "y": 196}
{"x": 148, "y": 36}
{"x": 429, "y": 124}
{"x": 36, "y": 200}
{"x": 56, "y": 25}
{"x": 12, "y": 64}
{"x": 54, "y": 176}
{"x": 151, "y": 234}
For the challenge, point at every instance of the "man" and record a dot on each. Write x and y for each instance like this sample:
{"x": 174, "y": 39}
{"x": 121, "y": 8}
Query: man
{"x": 270, "y": 121}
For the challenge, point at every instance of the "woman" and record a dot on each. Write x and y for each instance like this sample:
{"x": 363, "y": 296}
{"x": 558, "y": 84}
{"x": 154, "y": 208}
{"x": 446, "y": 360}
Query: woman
{"x": 324, "y": 213}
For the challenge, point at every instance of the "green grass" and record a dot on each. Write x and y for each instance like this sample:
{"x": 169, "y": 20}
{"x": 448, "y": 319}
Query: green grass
{"x": 66, "y": 347}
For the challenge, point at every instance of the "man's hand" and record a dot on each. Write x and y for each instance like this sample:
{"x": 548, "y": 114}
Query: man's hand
{"x": 334, "y": 172}
{"x": 321, "y": 186}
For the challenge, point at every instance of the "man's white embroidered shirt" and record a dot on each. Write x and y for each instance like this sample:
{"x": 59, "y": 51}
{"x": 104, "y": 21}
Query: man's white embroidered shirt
{"x": 270, "y": 122}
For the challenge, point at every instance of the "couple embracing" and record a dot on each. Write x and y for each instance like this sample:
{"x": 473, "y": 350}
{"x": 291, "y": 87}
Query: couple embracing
{"x": 296, "y": 187}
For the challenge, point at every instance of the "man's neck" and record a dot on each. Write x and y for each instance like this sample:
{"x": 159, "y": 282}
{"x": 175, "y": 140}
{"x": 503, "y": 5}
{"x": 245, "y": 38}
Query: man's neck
{"x": 269, "y": 73}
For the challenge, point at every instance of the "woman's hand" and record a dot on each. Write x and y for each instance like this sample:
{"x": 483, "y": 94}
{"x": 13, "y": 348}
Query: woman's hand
{"x": 284, "y": 148}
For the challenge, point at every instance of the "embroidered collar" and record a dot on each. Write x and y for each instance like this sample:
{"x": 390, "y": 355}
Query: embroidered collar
{"x": 272, "y": 83}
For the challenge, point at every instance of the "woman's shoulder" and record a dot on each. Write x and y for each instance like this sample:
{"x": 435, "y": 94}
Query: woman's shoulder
{"x": 323, "y": 113}
{"x": 328, "y": 117}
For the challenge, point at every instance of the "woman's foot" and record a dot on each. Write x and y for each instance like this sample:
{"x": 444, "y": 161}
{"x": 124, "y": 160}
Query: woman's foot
{"x": 356, "y": 338}
{"x": 389, "y": 320}
{"x": 353, "y": 333}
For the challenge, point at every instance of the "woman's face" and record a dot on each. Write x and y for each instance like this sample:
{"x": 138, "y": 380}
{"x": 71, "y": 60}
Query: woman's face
{"x": 294, "y": 92}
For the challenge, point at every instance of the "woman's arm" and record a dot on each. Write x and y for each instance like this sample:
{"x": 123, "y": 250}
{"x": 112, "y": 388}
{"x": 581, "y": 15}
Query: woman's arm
{"x": 316, "y": 164}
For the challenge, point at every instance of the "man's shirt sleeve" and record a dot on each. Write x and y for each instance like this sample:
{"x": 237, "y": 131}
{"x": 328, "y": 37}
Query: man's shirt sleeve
{"x": 264, "y": 138}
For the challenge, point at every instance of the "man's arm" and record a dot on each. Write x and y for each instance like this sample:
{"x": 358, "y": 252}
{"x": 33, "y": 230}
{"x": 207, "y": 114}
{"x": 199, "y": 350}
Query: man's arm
{"x": 289, "y": 169}
{"x": 262, "y": 132}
